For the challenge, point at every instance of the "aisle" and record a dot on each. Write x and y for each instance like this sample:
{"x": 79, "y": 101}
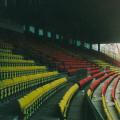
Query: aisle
{"x": 76, "y": 107}
{"x": 110, "y": 103}
{"x": 49, "y": 111}
{"x": 9, "y": 111}
{"x": 97, "y": 101}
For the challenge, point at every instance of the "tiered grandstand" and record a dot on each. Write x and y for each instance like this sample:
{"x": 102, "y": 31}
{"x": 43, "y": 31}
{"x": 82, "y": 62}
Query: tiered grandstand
{"x": 31, "y": 77}
{"x": 59, "y": 60}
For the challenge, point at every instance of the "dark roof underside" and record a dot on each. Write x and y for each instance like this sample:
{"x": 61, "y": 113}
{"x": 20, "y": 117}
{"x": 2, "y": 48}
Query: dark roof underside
{"x": 89, "y": 20}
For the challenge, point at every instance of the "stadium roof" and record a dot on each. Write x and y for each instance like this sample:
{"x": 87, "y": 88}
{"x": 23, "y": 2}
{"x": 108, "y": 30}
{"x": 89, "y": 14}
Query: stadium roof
{"x": 90, "y": 20}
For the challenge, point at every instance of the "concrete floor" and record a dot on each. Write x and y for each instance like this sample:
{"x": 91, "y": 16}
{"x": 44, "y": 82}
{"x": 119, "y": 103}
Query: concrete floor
{"x": 9, "y": 111}
{"x": 110, "y": 103}
{"x": 118, "y": 93}
{"x": 76, "y": 107}
{"x": 96, "y": 100}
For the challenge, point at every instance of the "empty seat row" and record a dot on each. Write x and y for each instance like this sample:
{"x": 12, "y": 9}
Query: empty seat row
{"x": 31, "y": 102}
{"x": 116, "y": 69}
{"x": 10, "y": 62}
{"x": 10, "y": 56}
{"x": 101, "y": 63}
{"x": 76, "y": 63}
{"x": 4, "y": 45}
{"x": 113, "y": 94}
{"x": 90, "y": 78}
{"x": 94, "y": 71}
{"x": 71, "y": 66}
{"x": 65, "y": 102}
{"x": 10, "y": 72}
{"x": 13, "y": 86}
{"x": 97, "y": 82}
{"x": 114, "y": 87}
{"x": 105, "y": 64}
{"x": 92, "y": 68}
{"x": 85, "y": 81}
{"x": 108, "y": 78}
{"x": 106, "y": 110}
{"x": 63, "y": 59}
{"x": 104, "y": 101}
{"x": 98, "y": 74}
{"x": 5, "y": 50}
{"x": 106, "y": 83}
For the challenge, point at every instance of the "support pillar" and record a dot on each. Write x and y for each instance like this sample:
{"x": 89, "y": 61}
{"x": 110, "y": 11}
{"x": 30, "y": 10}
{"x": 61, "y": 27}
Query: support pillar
{"x": 82, "y": 44}
{"x": 90, "y": 46}
{"x": 98, "y": 47}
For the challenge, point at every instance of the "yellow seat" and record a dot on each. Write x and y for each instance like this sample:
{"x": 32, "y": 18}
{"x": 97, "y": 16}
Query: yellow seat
{"x": 64, "y": 103}
{"x": 34, "y": 99}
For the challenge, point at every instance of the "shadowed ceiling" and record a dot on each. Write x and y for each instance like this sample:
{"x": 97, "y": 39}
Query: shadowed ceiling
{"x": 89, "y": 20}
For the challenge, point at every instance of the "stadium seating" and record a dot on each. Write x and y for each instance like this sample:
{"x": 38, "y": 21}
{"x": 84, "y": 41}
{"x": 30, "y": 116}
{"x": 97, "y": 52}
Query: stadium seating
{"x": 65, "y": 102}
{"x": 62, "y": 59}
{"x": 96, "y": 83}
{"x": 16, "y": 85}
{"x": 94, "y": 76}
{"x": 107, "y": 79}
{"x": 113, "y": 94}
{"x": 32, "y": 101}
{"x": 32, "y": 85}
{"x": 10, "y": 72}
{"x": 14, "y": 62}
{"x": 104, "y": 101}
{"x": 4, "y": 45}
{"x": 10, "y": 56}
{"x": 5, "y": 50}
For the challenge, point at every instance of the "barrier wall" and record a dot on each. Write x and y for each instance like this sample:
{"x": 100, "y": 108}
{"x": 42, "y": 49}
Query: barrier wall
{"x": 90, "y": 113}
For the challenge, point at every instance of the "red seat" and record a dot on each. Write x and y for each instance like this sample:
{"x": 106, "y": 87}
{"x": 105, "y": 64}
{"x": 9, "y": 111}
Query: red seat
{"x": 94, "y": 84}
{"x": 114, "y": 87}
{"x": 98, "y": 74}
{"x": 107, "y": 82}
{"x": 85, "y": 80}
